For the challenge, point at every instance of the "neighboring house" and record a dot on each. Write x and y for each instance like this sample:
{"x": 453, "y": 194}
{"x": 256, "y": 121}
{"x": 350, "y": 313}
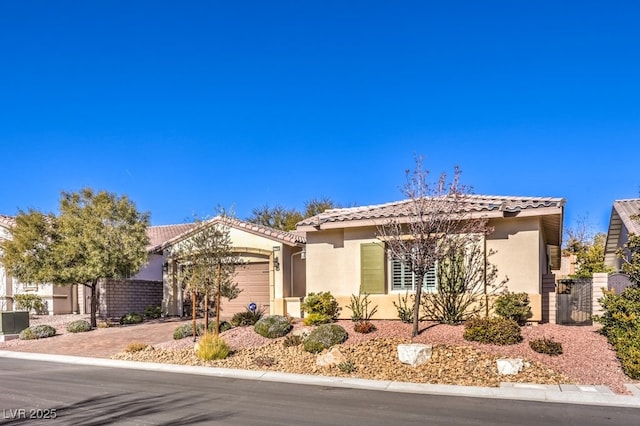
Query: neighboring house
{"x": 56, "y": 299}
{"x": 272, "y": 275}
{"x": 621, "y": 224}
{"x": 344, "y": 253}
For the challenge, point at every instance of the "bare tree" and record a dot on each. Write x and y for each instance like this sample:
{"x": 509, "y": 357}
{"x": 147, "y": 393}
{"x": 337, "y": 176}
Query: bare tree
{"x": 466, "y": 280}
{"x": 419, "y": 233}
{"x": 208, "y": 264}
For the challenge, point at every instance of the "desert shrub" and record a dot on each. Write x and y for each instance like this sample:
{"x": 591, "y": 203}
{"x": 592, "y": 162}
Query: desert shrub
{"x": 405, "y": 308}
{"x": 494, "y": 331}
{"x": 292, "y": 340}
{"x": 347, "y": 366}
{"x": 247, "y": 318}
{"x": 131, "y": 318}
{"x": 41, "y": 331}
{"x": 264, "y": 361}
{"x": 272, "y": 326}
{"x": 152, "y": 312}
{"x": 316, "y": 318}
{"x": 104, "y": 324}
{"x": 621, "y": 325}
{"x": 359, "y": 307}
{"x": 136, "y": 347}
{"x": 323, "y": 304}
{"x": 546, "y": 346}
{"x": 29, "y": 302}
{"x": 79, "y": 326}
{"x": 212, "y": 347}
{"x": 324, "y": 336}
{"x": 364, "y": 327}
{"x": 186, "y": 330}
{"x": 514, "y": 306}
{"x": 224, "y": 326}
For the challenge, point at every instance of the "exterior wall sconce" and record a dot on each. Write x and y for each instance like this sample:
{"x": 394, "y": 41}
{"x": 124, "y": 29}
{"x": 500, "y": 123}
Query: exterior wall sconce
{"x": 276, "y": 261}
{"x": 165, "y": 267}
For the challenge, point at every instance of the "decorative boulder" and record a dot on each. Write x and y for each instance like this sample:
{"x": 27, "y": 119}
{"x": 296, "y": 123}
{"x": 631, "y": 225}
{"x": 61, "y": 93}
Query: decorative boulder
{"x": 414, "y": 354}
{"x": 331, "y": 358}
{"x": 510, "y": 366}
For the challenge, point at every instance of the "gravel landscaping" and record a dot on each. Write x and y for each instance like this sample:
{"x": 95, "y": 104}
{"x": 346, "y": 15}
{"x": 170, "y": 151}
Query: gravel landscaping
{"x": 587, "y": 357}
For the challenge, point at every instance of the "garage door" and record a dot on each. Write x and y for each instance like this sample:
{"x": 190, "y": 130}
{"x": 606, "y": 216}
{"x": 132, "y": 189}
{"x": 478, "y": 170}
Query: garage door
{"x": 253, "y": 279}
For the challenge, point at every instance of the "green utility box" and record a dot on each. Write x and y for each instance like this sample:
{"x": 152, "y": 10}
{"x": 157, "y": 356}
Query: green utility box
{"x": 13, "y": 322}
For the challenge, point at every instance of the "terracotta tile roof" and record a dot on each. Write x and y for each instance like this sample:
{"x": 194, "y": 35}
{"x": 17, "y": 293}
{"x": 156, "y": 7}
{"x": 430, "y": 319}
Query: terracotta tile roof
{"x": 626, "y": 209}
{"x": 621, "y": 217}
{"x": 290, "y": 238}
{"x": 158, "y": 235}
{"x": 398, "y": 209}
{"x": 7, "y": 221}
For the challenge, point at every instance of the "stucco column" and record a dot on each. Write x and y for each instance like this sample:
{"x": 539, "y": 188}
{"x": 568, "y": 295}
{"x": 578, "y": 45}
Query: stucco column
{"x": 549, "y": 298}
{"x": 600, "y": 282}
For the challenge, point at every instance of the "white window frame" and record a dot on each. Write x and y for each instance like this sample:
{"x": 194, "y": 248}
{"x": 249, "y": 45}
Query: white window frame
{"x": 399, "y": 272}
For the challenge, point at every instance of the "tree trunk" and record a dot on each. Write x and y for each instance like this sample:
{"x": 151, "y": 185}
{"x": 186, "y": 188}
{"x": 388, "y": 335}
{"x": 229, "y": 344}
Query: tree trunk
{"x": 416, "y": 306}
{"x": 94, "y": 303}
{"x": 194, "y": 307}
{"x": 206, "y": 312}
{"x": 218, "y": 290}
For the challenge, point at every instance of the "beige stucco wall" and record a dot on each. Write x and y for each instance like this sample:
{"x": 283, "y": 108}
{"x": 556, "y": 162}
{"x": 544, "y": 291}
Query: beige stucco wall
{"x": 333, "y": 262}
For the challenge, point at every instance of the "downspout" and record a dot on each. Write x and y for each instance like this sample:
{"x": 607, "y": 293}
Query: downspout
{"x": 484, "y": 277}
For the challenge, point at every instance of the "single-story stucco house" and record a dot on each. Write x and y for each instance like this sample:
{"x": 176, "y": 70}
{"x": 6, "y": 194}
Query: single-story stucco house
{"x": 272, "y": 274}
{"x": 344, "y": 252}
{"x": 621, "y": 224}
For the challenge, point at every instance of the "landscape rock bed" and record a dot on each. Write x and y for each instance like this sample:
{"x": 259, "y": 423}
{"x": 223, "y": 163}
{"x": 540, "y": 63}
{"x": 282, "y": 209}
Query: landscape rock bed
{"x": 587, "y": 359}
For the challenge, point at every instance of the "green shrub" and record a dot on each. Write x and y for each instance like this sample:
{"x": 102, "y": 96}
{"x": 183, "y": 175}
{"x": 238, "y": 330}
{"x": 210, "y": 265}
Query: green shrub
{"x": 41, "y": 331}
{"x": 212, "y": 347}
{"x": 364, "y": 327}
{"x": 628, "y": 352}
{"x": 186, "y": 330}
{"x": 494, "y": 331}
{"x": 272, "y": 326}
{"x": 323, "y": 304}
{"x": 79, "y": 326}
{"x": 224, "y": 326}
{"x": 29, "y": 302}
{"x": 152, "y": 312}
{"x": 514, "y": 306}
{"x": 621, "y": 317}
{"x": 359, "y": 307}
{"x": 247, "y": 318}
{"x": 316, "y": 318}
{"x": 131, "y": 318}
{"x": 621, "y": 325}
{"x": 292, "y": 340}
{"x": 405, "y": 308}
{"x": 546, "y": 346}
{"x": 347, "y": 366}
{"x": 324, "y": 336}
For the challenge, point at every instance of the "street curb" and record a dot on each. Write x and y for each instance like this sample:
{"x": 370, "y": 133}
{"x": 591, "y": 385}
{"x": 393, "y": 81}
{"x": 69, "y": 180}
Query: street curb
{"x": 594, "y": 395}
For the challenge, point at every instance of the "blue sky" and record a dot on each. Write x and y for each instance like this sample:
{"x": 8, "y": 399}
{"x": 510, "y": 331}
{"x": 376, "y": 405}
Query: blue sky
{"x": 187, "y": 105}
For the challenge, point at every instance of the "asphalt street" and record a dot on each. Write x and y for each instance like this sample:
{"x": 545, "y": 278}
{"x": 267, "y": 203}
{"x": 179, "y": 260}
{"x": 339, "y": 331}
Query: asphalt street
{"x": 36, "y": 392}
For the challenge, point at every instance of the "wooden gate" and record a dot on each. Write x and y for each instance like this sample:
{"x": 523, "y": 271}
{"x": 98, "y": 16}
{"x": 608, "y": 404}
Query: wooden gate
{"x": 574, "y": 301}
{"x": 618, "y": 282}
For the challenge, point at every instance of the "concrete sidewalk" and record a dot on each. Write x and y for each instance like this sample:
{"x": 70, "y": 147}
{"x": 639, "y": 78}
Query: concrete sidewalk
{"x": 570, "y": 394}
